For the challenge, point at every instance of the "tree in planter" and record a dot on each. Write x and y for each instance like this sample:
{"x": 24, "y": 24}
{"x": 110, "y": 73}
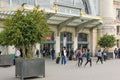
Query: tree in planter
{"x": 24, "y": 29}
{"x": 106, "y": 42}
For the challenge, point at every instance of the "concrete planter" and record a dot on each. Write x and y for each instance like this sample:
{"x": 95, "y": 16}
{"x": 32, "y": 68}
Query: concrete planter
{"x": 29, "y": 68}
{"x": 6, "y": 60}
{"x": 110, "y": 55}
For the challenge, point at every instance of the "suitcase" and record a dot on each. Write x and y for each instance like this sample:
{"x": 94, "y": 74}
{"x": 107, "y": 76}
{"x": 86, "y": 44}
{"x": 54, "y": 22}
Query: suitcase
{"x": 58, "y": 60}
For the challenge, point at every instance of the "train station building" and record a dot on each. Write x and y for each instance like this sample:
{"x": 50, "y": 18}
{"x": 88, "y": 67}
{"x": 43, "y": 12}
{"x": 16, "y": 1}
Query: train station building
{"x": 77, "y": 23}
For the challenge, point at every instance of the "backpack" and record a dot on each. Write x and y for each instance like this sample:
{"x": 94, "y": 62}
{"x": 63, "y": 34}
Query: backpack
{"x": 79, "y": 54}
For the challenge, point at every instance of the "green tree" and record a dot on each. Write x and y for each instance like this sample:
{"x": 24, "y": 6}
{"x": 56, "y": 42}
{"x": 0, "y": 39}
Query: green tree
{"x": 24, "y": 29}
{"x": 107, "y": 41}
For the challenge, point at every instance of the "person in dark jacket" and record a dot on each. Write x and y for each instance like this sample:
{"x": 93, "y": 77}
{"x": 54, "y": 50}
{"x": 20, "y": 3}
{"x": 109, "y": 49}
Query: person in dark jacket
{"x": 88, "y": 57}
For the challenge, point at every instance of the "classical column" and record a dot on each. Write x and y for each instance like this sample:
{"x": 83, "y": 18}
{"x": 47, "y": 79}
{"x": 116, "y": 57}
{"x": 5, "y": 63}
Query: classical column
{"x": 93, "y": 41}
{"x": 57, "y": 45}
{"x": 106, "y": 11}
{"x": 75, "y": 42}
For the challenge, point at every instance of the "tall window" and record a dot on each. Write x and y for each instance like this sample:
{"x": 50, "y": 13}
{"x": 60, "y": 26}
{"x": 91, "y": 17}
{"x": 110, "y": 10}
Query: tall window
{"x": 86, "y": 7}
{"x": 118, "y": 43}
{"x": 118, "y": 30}
{"x": 67, "y": 34}
{"x": 117, "y": 14}
{"x": 82, "y": 37}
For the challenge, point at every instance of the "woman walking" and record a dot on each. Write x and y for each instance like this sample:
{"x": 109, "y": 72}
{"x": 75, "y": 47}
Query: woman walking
{"x": 80, "y": 57}
{"x": 99, "y": 57}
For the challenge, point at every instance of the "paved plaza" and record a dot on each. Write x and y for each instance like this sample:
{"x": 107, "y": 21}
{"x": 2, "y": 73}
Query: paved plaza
{"x": 110, "y": 70}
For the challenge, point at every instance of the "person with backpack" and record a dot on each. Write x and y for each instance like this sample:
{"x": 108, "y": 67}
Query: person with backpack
{"x": 88, "y": 57}
{"x": 80, "y": 57}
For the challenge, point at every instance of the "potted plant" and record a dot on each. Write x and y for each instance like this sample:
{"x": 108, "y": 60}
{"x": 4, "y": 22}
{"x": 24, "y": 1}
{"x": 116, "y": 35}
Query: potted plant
{"x": 24, "y": 29}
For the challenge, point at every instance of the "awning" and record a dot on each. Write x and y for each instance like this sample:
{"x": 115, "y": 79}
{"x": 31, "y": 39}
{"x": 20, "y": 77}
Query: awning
{"x": 62, "y": 19}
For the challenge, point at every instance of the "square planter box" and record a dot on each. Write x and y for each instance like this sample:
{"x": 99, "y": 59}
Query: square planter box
{"x": 110, "y": 55}
{"x": 6, "y": 60}
{"x": 25, "y": 68}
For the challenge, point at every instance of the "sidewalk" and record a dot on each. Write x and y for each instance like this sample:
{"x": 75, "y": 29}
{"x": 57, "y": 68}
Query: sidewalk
{"x": 109, "y": 70}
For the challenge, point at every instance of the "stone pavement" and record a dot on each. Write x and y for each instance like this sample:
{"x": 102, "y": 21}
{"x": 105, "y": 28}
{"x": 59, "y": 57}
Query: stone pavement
{"x": 110, "y": 70}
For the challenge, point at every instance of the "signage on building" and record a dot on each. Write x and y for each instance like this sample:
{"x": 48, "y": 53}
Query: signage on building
{"x": 48, "y": 37}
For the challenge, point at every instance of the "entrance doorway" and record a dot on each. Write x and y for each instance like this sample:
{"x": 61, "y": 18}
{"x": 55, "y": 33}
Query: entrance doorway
{"x": 48, "y": 45}
{"x": 69, "y": 42}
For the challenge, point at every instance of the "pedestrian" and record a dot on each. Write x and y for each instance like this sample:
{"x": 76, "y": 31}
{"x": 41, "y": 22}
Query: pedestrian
{"x": 99, "y": 56}
{"x": 104, "y": 53}
{"x": 116, "y": 53}
{"x": 53, "y": 54}
{"x": 80, "y": 57}
{"x": 63, "y": 54}
{"x": 17, "y": 53}
{"x": 76, "y": 54}
{"x": 43, "y": 52}
{"x": 37, "y": 53}
{"x": 0, "y": 52}
{"x": 71, "y": 55}
{"x": 88, "y": 57}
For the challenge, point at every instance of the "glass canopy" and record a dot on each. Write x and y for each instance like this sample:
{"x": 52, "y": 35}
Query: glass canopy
{"x": 65, "y": 6}
{"x": 60, "y": 12}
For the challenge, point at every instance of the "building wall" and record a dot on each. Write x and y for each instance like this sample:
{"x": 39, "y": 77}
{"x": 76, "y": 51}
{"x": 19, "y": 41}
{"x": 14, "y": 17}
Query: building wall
{"x": 92, "y": 37}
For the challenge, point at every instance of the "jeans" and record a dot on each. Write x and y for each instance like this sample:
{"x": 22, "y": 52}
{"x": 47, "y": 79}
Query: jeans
{"x": 64, "y": 60}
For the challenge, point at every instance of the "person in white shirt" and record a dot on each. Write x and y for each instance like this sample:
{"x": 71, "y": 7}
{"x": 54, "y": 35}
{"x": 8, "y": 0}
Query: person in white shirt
{"x": 17, "y": 53}
{"x": 99, "y": 57}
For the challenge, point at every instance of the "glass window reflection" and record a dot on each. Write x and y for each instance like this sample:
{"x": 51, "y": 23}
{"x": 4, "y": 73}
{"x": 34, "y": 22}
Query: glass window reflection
{"x": 18, "y": 3}
{"x": 45, "y": 4}
{"x": 4, "y": 3}
{"x": 67, "y": 34}
{"x": 82, "y": 37}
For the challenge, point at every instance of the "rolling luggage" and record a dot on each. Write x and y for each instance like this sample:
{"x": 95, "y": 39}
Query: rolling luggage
{"x": 58, "y": 60}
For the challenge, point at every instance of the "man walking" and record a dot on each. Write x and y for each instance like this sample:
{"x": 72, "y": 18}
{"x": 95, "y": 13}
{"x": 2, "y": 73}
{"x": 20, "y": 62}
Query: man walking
{"x": 88, "y": 56}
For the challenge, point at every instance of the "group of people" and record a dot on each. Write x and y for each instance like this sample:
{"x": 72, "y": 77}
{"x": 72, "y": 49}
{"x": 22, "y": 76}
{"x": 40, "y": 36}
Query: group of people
{"x": 79, "y": 54}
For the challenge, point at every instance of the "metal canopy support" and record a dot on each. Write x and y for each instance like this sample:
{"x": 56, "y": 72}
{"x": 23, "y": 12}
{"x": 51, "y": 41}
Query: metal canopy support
{"x": 62, "y": 24}
{"x": 96, "y": 26}
{"x": 49, "y": 15}
{"x": 81, "y": 26}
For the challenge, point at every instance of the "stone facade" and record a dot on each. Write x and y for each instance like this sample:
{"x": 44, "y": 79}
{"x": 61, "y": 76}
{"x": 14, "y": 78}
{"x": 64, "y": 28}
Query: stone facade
{"x": 104, "y": 8}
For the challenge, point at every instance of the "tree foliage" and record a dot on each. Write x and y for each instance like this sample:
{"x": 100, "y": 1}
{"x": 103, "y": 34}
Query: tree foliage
{"x": 107, "y": 41}
{"x": 25, "y": 28}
